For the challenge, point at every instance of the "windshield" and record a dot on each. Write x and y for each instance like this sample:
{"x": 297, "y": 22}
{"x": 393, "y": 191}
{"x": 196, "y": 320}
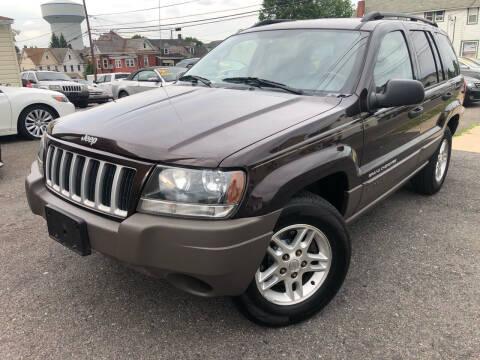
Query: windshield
{"x": 309, "y": 60}
{"x": 52, "y": 76}
{"x": 170, "y": 73}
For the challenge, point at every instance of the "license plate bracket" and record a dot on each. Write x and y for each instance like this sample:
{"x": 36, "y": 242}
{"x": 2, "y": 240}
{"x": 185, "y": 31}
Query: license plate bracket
{"x": 67, "y": 229}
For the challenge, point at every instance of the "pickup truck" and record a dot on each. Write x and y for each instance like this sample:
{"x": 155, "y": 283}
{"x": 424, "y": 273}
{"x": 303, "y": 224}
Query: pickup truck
{"x": 242, "y": 177}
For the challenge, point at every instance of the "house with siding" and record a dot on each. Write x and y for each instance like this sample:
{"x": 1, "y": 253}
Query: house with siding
{"x": 57, "y": 59}
{"x": 458, "y": 18}
{"x": 9, "y": 71}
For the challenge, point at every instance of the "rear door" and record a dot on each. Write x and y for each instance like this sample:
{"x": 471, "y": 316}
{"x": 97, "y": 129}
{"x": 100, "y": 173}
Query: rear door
{"x": 6, "y": 111}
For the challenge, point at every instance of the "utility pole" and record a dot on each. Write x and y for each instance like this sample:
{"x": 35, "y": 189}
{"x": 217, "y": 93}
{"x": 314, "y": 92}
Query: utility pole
{"x": 159, "y": 16}
{"x": 91, "y": 43}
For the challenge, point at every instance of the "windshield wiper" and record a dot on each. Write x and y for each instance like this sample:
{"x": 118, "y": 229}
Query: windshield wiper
{"x": 257, "y": 82}
{"x": 196, "y": 79}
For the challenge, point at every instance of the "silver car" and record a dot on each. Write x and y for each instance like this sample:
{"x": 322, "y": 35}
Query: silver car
{"x": 96, "y": 93}
{"x": 146, "y": 79}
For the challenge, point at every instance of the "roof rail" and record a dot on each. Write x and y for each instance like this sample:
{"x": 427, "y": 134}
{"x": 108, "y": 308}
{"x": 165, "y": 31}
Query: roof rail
{"x": 378, "y": 15}
{"x": 270, "y": 21}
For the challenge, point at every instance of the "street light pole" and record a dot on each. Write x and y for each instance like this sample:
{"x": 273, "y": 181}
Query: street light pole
{"x": 91, "y": 43}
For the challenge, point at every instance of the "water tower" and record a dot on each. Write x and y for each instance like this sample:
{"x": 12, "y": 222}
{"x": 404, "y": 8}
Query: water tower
{"x": 65, "y": 17}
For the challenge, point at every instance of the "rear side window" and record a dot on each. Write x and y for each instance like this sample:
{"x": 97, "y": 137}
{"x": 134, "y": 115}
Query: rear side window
{"x": 449, "y": 59}
{"x": 428, "y": 70}
{"x": 393, "y": 60}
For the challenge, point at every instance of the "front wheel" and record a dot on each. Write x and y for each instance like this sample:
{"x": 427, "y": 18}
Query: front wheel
{"x": 304, "y": 266}
{"x": 33, "y": 121}
{"x": 83, "y": 104}
{"x": 431, "y": 178}
{"x": 122, "y": 94}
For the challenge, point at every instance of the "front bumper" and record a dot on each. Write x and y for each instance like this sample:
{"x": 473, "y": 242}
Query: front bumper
{"x": 76, "y": 96}
{"x": 472, "y": 94}
{"x": 203, "y": 257}
{"x": 93, "y": 98}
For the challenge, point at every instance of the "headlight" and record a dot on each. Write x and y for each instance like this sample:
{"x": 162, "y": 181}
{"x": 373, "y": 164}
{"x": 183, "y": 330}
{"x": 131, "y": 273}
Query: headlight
{"x": 55, "y": 87}
{"x": 60, "y": 98}
{"x": 470, "y": 84}
{"x": 41, "y": 151}
{"x": 194, "y": 193}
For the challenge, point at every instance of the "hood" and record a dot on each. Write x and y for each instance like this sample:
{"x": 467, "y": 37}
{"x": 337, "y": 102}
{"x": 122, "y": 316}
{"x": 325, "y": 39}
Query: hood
{"x": 189, "y": 125}
{"x": 51, "y": 82}
{"x": 11, "y": 90}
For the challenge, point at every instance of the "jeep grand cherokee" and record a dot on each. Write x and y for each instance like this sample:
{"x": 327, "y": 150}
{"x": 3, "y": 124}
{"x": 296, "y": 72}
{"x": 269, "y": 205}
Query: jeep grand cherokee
{"x": 240, "y": 179}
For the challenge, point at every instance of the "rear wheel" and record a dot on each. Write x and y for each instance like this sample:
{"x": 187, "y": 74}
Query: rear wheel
{"x": 304, "y": 266}
{"x": 122, "y": 94}
{"x": 33, "y": 121}
{"x": 83, "y": 104}
{"x": 430, "y": 180}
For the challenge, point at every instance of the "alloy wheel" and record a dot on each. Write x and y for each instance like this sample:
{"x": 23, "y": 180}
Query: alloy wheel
{"x": 297, "y": 263}
{"x": 442, "y": 161}
{"x": 36, "y": 122}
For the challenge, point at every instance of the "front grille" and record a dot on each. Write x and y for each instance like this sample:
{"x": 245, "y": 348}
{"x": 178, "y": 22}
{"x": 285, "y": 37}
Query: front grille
{"x": 71, "y": 88}
{"x": 477, "y": 85}
{"x": 96, "y": 184}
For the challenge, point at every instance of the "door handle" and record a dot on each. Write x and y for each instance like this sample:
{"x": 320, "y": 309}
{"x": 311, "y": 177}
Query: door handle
{"x": 415, "y": 112}
{"x": 447, "y": 95}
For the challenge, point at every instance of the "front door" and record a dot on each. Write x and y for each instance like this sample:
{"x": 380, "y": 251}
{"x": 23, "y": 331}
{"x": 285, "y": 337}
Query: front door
{"x": 388, "y": 155}
{"x": 147, "y": 80}
{"x": 6, "y": 117}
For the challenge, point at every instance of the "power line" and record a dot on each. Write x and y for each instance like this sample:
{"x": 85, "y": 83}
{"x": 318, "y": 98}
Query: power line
{"x": 175, "y": 17}
{"x": 152, "y": 8}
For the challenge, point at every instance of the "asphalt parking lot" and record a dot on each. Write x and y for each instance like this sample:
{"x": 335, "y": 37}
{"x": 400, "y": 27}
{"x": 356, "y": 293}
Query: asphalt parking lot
{"x": 412, "y": 292}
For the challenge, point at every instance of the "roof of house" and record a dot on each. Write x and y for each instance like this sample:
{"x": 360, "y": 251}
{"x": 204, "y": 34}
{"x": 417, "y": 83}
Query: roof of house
{"x": 59, "y": 53}
{"x": 414, "y": 6}
{"x": 35, "y": 54}
{"x": 213, "y": 44}
{"x": 5, "y": 18}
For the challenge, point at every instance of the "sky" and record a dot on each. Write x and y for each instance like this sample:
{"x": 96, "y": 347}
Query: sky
{"x": 34, "y": 31}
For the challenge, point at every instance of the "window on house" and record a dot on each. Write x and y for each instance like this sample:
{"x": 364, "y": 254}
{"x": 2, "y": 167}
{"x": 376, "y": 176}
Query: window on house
{"x": 79, "y": 68}
{"x": 469, "y": 48}
{"x": 166, "y": 51}
{"x": 439, "y": 15}
{"x": 71, "y": 68}
{"x": 191, "y": 50}
{"x": 130, "y": 62}
{"x": 472, "y": 16}
{"x": 64, "y": 68}
{"x": 428, "y": 15}
{"x": 98, "y": 64}
{"x": 105, "y": 63}
{"x": 40, "y": 67}
{"x": 118, "y": 63}
{"x": 144, "y": 45}
{"x": 56, "y": 68}
{"x": 69, "y": 57}
{"x": 48, "y": 67}
{"x": 46, "y": 56}
{"x": 145, "y": 61}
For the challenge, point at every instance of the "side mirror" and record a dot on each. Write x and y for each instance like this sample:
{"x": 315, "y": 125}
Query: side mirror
{"x": 399, "y": 93}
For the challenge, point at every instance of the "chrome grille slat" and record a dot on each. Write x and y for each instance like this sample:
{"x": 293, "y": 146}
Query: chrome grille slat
{"x": 84, "y": 180}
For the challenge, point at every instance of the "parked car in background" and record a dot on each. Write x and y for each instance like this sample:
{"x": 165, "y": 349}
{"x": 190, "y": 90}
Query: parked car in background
{"x": 105, "y": 80}
{"x": 241, "y": 181}
{"x": 146, "y": 79}
{"x": 472, "y": 90}
{"x": 187, "y": 63}
{"x": 97, "y": 95}
{"x": 28, "y": 111}
{"x": 57, "y": 81}
{"x": 469, "y": 68}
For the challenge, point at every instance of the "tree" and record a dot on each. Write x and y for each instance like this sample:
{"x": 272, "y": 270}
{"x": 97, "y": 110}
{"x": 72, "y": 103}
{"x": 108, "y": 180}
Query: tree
{"x": 62, "y": 43}
{"x": 194, "y": 40}
{"x": 88, "y": 70}
{"x": 306, "y": 9}
{"x": 137, "y": 36}
{"x": 17, "y": 50}
{"x": 54, "y": 41}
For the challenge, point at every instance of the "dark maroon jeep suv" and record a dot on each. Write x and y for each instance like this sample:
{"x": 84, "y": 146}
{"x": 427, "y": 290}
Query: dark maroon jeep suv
{"x": 240, "y": 178}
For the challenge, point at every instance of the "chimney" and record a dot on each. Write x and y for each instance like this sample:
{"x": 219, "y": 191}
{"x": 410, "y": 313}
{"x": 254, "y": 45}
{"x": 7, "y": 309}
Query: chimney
{"x": 179, "y": 36}
{"x": 361, "y": 8}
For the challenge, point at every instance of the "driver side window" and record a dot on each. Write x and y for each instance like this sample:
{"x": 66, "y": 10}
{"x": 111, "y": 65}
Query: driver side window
{"x": 393, "y": 60}
{"x": 146, "y": 75}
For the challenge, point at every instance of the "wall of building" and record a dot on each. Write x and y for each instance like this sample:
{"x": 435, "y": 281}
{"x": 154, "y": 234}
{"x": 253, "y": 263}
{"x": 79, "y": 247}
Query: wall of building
{"x": 74, "y": 61}
{"x": 9, "y": 70}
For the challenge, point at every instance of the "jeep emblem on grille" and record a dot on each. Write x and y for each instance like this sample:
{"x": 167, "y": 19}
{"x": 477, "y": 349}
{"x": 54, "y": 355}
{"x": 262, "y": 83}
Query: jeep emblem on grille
{"x": 89, "y": 139}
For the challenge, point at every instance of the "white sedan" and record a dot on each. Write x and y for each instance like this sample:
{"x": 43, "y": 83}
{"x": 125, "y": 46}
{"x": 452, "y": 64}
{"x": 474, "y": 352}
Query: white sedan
{"x": 28, "y": 111}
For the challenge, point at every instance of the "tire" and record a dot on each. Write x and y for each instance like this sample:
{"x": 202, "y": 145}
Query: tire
{"x": 273, "y": 308}
{"x": 428, "y": 181}
{"x": 83, "y": 104}
{"x": 33, "y": 121}
{"x": 122, "y": 94}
